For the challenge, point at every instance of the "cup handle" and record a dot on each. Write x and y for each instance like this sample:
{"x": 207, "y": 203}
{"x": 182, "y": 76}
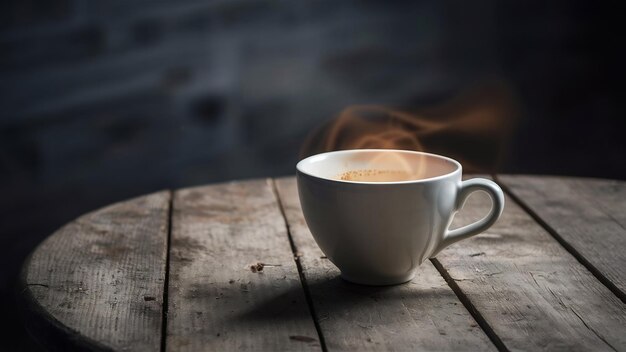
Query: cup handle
{"x": 468, "y": 187}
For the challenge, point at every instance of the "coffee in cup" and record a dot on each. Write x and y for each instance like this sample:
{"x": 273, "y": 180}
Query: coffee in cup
{"x": 376, "y": 175}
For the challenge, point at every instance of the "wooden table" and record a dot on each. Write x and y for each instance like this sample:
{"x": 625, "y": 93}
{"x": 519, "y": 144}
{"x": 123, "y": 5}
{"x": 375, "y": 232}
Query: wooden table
{"x": 233, "y": 266}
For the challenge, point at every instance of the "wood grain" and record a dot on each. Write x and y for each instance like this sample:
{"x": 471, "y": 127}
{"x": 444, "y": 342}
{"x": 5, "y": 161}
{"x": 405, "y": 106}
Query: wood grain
{"x": 216, "y": 302}
{"x": 588, "y": 214}
{"x": 97, "y": 283}
{"x": 422, "y": 315}
{"x": 529, "y": 289}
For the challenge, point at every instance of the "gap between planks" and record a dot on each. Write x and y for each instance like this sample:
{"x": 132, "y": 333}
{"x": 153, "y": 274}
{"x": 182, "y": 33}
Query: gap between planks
{"x": 467, "y": 303}
{"x": 296, "y": 258}
{"x": 556, "y": 323}
{"x": 166, "y": 283}
{"x": 568, "y": 247}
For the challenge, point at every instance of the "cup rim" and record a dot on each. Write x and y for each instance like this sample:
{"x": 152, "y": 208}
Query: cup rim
{"x": 458, "y": 165}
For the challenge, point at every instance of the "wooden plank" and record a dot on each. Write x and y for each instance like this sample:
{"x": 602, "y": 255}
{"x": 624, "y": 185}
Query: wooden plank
{"x": 588, "y": 215}
{"x": 216, "y": 302}
{"x": 422, "y": 315}
{"x": 529, "y": 289}
{"x": 97, "y": 283}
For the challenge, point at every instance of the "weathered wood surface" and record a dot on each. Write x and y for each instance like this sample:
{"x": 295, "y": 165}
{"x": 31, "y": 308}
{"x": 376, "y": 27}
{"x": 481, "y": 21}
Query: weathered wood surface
{"x": 98, "y": 281}
{"x": 423, "y": 315}
{"x": 216, "y": 302}
{"x": 588, "y": 214}
{"x": 529, "y": 289}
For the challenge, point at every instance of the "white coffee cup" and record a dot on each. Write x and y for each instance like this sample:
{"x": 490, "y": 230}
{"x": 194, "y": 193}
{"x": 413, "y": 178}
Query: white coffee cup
{"x": 378, "y": 233}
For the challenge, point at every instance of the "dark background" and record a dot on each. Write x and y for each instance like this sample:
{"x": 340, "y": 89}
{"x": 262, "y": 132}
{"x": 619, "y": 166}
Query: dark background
{"x": 105, "y": 100}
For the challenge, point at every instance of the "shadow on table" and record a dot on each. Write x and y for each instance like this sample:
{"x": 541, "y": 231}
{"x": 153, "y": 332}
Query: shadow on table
{"x": 332, "y": 295}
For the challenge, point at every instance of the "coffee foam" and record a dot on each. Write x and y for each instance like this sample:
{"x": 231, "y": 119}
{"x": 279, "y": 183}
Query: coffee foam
{"x": 376, "y": 175}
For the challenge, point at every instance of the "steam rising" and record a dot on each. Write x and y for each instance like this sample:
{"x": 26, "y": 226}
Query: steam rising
{"x": 473, "y": 128}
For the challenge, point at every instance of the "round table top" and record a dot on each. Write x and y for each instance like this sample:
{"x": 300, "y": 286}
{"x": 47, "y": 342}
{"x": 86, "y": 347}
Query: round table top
{"x": 233, "y": 266}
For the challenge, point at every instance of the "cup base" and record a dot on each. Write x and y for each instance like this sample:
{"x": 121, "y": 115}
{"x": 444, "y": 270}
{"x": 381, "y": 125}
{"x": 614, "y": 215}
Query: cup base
{"x": 378, "y": 281}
